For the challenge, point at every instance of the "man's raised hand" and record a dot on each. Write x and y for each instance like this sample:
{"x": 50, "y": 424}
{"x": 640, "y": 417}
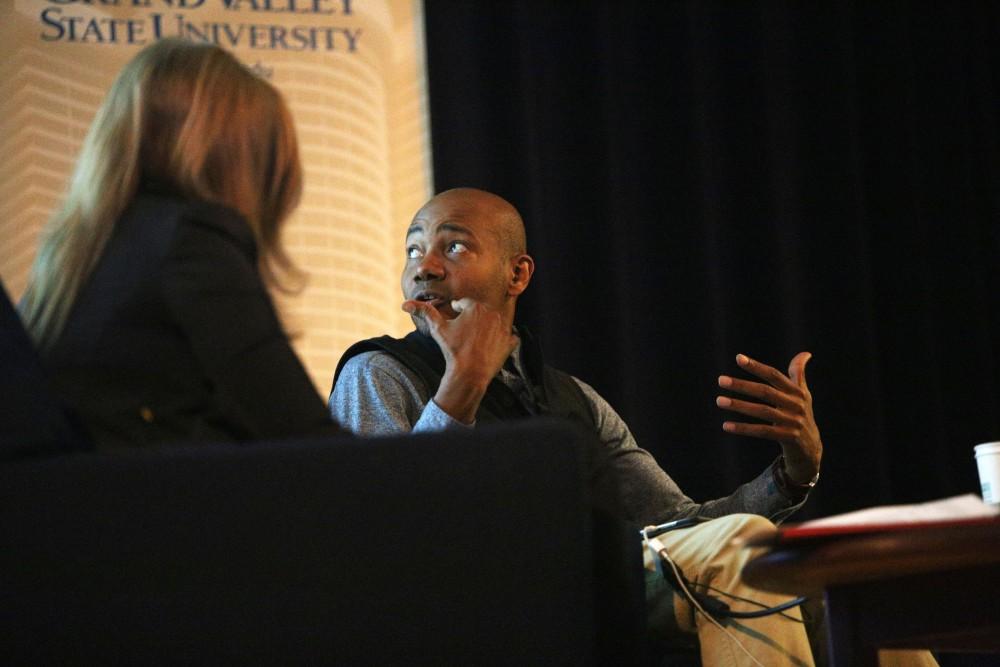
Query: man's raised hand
{"x": 784, "y": 403}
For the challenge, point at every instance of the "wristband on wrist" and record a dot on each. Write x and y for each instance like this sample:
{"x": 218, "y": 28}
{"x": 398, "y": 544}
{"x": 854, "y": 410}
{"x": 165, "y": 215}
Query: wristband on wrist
{"x": 792, "y": 488}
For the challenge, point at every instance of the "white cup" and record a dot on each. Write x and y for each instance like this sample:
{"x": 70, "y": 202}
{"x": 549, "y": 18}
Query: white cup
{"x": 988, "y": 461}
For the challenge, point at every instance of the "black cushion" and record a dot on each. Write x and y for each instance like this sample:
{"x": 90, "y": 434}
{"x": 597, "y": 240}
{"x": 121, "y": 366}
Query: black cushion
{"x": 443, "y": 549}
{"x": 32, "y": 420}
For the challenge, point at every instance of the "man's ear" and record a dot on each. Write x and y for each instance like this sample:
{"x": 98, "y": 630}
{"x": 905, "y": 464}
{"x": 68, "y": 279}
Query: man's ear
{"x": 522, "y": 266}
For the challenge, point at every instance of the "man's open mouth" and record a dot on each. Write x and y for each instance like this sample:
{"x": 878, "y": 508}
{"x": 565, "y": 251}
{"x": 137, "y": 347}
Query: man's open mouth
{"x": 435, "y": 300}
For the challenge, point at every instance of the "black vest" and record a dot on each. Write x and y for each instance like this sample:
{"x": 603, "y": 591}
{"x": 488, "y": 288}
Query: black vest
{"x": 556, "y": 394}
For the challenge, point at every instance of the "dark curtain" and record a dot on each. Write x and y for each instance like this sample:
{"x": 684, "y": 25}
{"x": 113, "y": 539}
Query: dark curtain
{"x": 701, "y": 179}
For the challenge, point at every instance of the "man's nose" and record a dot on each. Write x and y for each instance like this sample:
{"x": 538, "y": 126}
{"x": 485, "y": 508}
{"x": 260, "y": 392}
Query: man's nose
{"x": 430, "y": 267}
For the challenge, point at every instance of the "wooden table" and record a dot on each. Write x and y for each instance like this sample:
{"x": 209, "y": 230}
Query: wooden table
{"x": 933, "y": 586}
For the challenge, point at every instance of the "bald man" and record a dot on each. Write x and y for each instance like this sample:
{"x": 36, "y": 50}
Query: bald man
{"x": 466, "y": 266}
{"x": 466, "y": 363}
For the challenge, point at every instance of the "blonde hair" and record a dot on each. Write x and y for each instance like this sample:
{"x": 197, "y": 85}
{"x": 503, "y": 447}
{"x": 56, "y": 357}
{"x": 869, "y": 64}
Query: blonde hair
{"x": 188, "y": 116}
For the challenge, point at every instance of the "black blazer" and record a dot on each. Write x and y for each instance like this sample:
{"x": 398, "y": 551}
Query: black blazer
{"x": 174, "y": 337}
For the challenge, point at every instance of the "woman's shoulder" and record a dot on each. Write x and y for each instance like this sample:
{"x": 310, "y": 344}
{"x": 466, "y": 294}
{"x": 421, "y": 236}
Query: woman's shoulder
{"x": 219, "y": 219}
{"x": 193, "y": 220}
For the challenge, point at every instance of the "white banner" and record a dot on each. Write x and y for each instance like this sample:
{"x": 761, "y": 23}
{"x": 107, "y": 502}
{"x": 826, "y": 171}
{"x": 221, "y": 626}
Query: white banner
{"x": 353, "y": 74}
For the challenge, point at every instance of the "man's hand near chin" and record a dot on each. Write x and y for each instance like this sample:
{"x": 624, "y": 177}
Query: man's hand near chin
{"x": 475, "y": 344}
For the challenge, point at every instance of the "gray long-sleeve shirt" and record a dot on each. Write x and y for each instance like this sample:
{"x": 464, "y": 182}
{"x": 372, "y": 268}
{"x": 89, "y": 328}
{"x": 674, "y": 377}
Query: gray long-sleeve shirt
{"x": 376, "y": 395}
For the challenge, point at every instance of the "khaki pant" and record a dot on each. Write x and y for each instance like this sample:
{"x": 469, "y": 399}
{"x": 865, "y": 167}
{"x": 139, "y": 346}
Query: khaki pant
{"x": 712, "y": 558}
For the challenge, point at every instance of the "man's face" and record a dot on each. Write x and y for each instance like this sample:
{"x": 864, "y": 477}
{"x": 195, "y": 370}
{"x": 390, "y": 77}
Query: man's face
{"x": 452, "y": 252}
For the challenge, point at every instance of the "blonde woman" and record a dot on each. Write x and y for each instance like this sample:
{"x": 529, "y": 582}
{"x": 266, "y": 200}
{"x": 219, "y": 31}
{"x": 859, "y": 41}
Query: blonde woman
{"x": 147, "y": 299}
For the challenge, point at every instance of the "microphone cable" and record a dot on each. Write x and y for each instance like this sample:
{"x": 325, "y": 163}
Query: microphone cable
{"x": 709, "y": 605}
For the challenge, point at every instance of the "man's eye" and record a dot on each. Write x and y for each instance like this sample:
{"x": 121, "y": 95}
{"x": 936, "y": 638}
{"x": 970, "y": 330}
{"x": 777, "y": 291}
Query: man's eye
{"x": 457, "y": 246}
{"x": 413, "y": 252}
